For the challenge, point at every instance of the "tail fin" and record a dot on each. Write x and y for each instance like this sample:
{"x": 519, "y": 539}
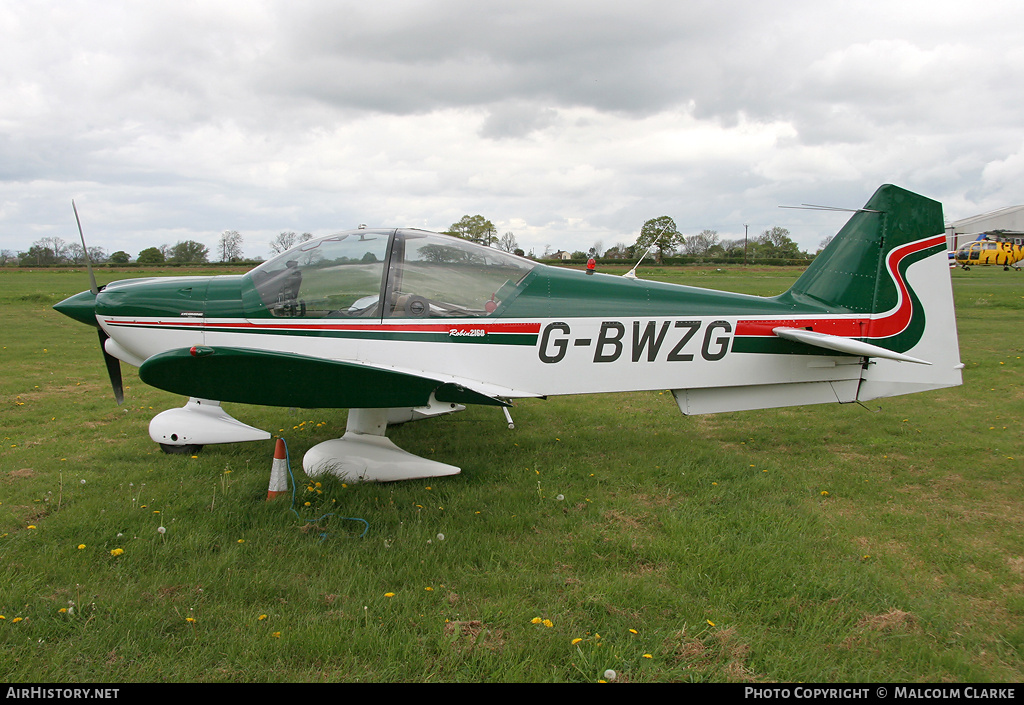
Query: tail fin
{"x": 889, "y": 264}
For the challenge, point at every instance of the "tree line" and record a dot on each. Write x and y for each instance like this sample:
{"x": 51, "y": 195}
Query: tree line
{"x": 55, "y": 250}
{"x": 660, "y": 235}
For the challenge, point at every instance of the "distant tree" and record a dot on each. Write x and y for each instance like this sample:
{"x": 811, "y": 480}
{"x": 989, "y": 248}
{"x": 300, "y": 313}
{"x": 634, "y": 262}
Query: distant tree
{"x": 230, "y": 246}
{"x": 519, "y": 251}
{"x": 281, "y": 243}
{"x": 151, "y": 255}
{"x": 47, "y": 250}
{"x": 579, "y": 254}
{"x": 700, "y": 243}
{"x": 120, "y": 257}
{"x": 732, "y": 247}
{"x": 6, "y": 256}
{"x": 508, "y": 242}
{"x": 661, "y": 233}
{"x": 57, "y": 246}
{"x": 75, "y": 253}
{"x": 475, "y": 228}
{"x": 776, "y": 243}
{"x": 595, "y": 249}
{"x": 824, "y": 242}
{"x": 189, "y": 252}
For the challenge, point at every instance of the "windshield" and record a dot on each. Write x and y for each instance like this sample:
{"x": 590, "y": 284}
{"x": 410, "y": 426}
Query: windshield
{"x": 335, "y": 276}
{"x": 428, "y": 276}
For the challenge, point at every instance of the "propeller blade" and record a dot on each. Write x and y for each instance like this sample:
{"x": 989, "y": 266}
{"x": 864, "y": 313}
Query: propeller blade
{"x": 113, "y": 369}
{"x": 85, "y": 251}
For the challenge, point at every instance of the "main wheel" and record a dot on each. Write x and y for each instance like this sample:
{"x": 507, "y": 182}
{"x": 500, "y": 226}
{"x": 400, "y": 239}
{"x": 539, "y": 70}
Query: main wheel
{"x": 190, "y": 449}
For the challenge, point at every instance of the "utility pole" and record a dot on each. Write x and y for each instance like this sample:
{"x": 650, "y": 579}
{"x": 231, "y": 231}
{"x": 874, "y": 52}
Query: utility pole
{"x": 745, "y": 226}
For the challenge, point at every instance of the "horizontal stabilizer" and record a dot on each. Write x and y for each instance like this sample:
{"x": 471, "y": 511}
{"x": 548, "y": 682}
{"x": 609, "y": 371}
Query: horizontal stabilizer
{"x": 850, "y": 346}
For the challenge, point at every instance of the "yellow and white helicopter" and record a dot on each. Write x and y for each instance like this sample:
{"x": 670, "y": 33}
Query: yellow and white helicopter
{"x": 399, "y": 325}
{"x": 999, "y": 248}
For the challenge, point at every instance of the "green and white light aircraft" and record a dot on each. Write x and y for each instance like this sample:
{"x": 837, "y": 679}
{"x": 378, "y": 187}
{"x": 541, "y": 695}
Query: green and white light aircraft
{"x": 400, "y": 325}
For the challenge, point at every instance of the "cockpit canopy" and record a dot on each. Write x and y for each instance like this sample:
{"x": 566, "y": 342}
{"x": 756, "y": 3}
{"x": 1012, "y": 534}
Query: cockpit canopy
{"x": 387, "y": 274}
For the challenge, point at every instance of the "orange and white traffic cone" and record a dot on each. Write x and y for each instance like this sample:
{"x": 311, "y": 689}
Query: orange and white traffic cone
{"x": 278, "y": 472}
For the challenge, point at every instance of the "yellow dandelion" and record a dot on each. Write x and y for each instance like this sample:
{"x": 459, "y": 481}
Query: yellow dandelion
{"x": 81, "y": 546}
{"x": 548, "y": 623}
{"x": 648, "y": 656}
{"x": 306, "y": 504}
{"x": 63, "y": 610}
{"x": 576, "y": 641}
{"x": 241, "y": 540}
{"x": 710, "y": 622}
{"x": 261, "y": 618}
{"x": 824, "y": 493}
{"x": 117, "y": 552}
{"x": 428, "y": 589}
{"x": 31, "y": 526}
{"x": 276, "y": 635}
{"x": 389, "y": 594}
{"x": 535, "y": 620}
{"x": 16, "y": 620}
{"x": 190, "y": 620}
{"x": 633, "y": 631}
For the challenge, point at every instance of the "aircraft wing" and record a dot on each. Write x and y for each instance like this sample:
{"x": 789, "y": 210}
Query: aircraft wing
{"x": 248, "y": 376}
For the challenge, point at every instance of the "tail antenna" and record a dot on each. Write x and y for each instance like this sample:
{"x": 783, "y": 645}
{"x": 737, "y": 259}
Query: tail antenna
{"x": 631, "y": 274}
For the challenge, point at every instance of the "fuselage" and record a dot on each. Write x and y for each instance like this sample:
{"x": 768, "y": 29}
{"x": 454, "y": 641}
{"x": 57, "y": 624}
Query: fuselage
{"x": 516, "y": 327}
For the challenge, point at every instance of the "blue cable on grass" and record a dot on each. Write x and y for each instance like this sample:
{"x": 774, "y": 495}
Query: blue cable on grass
{"x": 323, "y": 536}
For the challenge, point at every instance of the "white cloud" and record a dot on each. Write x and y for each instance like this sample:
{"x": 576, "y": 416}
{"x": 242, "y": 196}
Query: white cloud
{"x": 565, "y": 122}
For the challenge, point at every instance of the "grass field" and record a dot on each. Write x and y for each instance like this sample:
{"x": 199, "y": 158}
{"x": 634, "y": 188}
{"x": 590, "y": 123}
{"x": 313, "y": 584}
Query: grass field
{"x": 825, "y": 543}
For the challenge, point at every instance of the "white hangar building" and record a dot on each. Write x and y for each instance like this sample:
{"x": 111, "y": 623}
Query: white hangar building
{"x": 967, "y": 230}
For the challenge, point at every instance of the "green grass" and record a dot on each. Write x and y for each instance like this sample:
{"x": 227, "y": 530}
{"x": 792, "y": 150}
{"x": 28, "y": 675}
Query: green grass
{"x": 674, "y": 548}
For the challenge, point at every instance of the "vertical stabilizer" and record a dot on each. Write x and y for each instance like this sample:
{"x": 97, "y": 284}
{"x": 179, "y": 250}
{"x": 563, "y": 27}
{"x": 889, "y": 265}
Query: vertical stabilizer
{"x": 889, "y": 264}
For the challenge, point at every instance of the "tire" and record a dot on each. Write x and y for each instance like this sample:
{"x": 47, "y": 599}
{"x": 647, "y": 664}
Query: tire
{"x": 190, "y": 449}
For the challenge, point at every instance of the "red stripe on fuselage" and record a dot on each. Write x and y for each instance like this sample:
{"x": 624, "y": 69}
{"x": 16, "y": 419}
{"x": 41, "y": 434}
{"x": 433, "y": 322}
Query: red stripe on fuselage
{"x": 889, "y": 324}
{"x": 275, "y": 325}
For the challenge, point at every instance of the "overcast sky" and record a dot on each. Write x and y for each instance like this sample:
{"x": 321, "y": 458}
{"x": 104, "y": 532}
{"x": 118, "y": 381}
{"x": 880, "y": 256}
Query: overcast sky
{"x": 566, "y": 123}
